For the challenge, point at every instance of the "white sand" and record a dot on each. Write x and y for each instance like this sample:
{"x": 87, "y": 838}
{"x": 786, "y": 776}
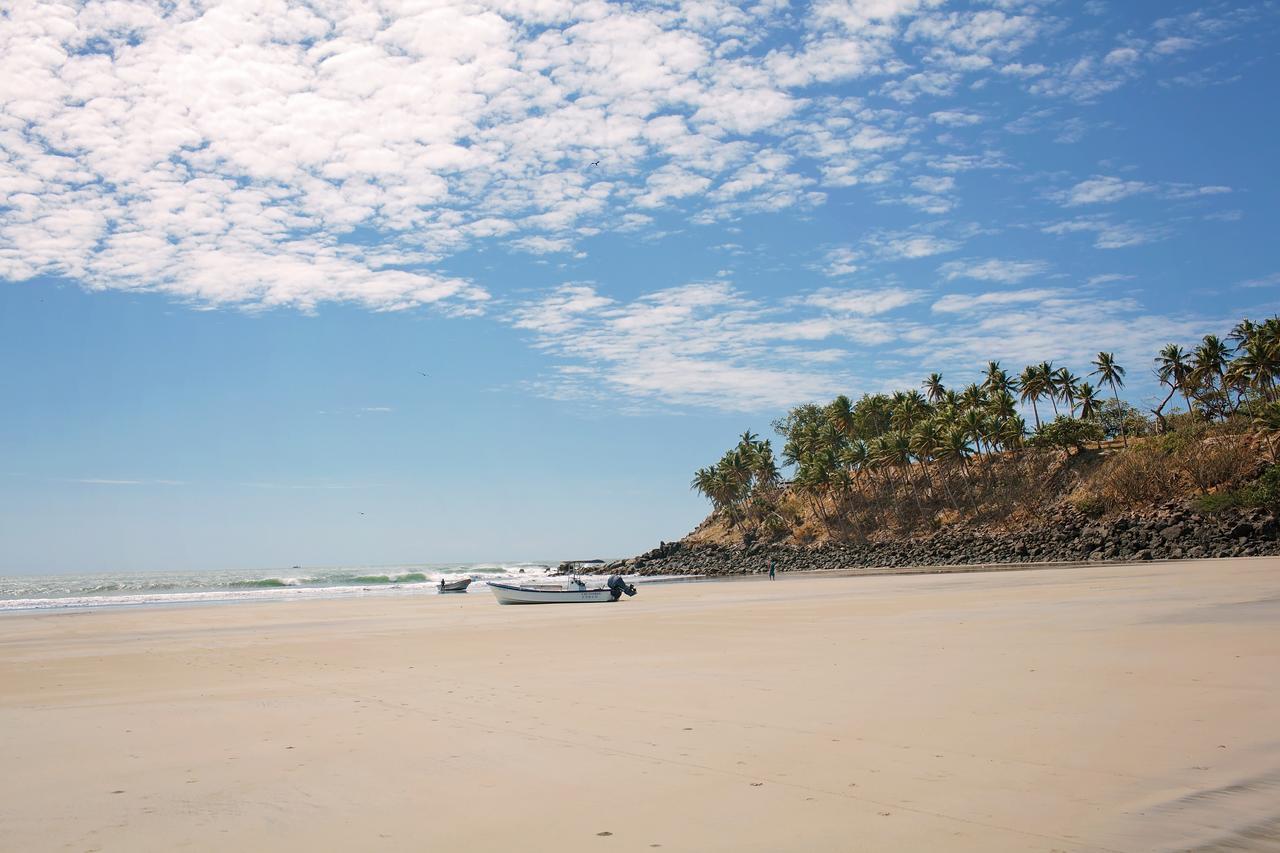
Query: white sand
{"x": 1101, "y": 708}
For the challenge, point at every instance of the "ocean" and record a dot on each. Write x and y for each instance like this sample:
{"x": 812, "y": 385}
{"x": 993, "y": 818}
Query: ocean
{"x": 71, "y": 591}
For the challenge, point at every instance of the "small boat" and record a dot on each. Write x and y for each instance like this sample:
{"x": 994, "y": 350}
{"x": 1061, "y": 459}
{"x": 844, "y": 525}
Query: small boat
{"x": 574, "y": 590}
{"x": 454, "y": 586}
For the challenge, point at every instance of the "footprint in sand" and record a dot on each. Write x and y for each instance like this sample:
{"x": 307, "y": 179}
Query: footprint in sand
{"x": 756, "y": 784}
{"x": 604, "y": 833}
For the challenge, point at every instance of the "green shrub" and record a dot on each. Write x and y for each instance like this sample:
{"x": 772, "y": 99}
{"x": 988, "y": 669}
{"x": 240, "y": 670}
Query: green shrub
{"x": 1263, "y": 492}
{"x": 1067, "y": 434}
{"x": 1112, "y": 418}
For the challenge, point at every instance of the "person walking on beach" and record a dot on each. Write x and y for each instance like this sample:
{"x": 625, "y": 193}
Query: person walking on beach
{"x": 771, "y": 570}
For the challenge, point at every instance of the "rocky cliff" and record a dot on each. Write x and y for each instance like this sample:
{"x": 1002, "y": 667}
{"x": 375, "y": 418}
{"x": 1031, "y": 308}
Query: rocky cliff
{"x": 1174, "y": 530}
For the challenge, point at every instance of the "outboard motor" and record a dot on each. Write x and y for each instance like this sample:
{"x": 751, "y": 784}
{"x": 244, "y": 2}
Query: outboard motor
{"x": 617, "y": 586}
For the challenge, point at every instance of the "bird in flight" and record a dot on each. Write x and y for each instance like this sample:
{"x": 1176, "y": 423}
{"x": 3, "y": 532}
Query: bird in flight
{"x": 420, "y": 373}
{"x": 595, "y": 162}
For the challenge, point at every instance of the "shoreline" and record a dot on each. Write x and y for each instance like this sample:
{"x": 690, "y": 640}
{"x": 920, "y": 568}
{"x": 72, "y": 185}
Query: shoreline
{"x": 412, "y": 590}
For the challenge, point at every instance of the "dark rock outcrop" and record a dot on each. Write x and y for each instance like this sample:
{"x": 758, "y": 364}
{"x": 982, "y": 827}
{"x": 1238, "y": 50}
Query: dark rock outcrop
{"x": 1169, "y": 532}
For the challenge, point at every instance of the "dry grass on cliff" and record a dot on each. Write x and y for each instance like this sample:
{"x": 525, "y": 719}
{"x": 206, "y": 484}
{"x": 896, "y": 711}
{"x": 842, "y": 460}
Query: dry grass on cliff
{"x": 1008, "y": 491}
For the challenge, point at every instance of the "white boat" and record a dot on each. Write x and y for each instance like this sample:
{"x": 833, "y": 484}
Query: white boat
{"x": 572, "y": 591}
{"x": 454, "y": 586}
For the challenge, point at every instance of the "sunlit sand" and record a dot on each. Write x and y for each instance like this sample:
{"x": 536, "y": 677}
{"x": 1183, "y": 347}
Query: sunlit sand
{"x": 1109, "y": 707}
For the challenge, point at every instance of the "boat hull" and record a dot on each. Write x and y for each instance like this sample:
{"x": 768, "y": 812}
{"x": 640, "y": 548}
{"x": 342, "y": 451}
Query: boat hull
{"x": 507, "y": 594}
{"x": 455, "y": 586}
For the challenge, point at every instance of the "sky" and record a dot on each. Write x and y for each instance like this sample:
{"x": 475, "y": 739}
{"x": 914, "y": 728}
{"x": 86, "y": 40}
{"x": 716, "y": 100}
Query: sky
{"x": 350, "y": 282}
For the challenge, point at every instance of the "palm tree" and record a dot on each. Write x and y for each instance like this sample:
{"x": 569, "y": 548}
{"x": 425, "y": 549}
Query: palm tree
{"x": 1258, "y": 356}
{"x": 1068, "y": 386}
{"x": 1087, "y": 396}
{"x": 934, "y": 388}
{"x": 955, "y": 447}
{"x": 997, "y": 380}
{"x": 1012, "y": 432}
{"x": 925, "y": 439}
{"x": 1173, "y": 367}
{"x": 1209, "y": 367}
{"x": 911, "y": 408}
{"x": 972, "y": 397}
{"x": 840, "y": 414}
{"x": 975, "y": 427}
{"x": 1032, "y": 388}
{"x": 763, "y": 468}
{"x": 1109, "y": 371}
{"x": 1267, "y": 419}
{"x": 1002, "y": 406}
{"x": 1047, "y": 384}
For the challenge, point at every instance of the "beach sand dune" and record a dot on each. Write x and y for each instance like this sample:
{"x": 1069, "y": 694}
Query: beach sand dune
{"x": 1097, "y": 708}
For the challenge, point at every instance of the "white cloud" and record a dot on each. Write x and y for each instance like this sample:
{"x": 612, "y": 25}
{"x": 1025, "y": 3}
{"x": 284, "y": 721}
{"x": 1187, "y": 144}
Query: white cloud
{"x": 702, "y": 344}
{"x": 841, "y": 261}
{"x": 955, "y": 118}
{"x": 1185, "y": 191}
{"x": 1108, "y": 278}
{"x": 908, "y": 245}
{"x": 539, "y": 245}
{"x": 1027, "y": 327}
{"x": 1109, "y": 235}
{"x": 101, "y": 481}
{"x": 1101, "y": 189}
{"x": 994, "y": 269}
{"x": 934, "y": 183}
{"x": 866, "y": 303}
{"x": 268, "y": 154}
{"x": 1173, "y": 44}
{"x": 1263, "y": 281}
{"x": 342, "y": 151}
{"x": 959, "y": 303}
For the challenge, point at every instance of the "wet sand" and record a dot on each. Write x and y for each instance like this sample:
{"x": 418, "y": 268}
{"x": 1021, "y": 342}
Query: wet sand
{"x": 1096, "y": 708}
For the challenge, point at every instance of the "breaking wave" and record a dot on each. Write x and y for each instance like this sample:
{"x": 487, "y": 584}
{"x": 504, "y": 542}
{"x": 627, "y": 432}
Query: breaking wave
{"x": 92, "y": 590}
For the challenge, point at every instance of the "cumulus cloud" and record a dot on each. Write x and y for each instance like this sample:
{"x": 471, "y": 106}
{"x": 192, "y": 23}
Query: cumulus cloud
{"x": 1101, "y": 189}
{"x": 841, "y": 261}
{"x": 277, "y": 153}
{"x": 1030, "y": 326}
{"x": 908, "y": 245}
{"x": 993, "y": 269}
{"x": 702, "y": 344}
{"x": 1109, "y": 234}
{"x": 958, "y": 303}
{"x": 280, "y": 154}
{"x": 708, "y": 344}
{"x": 865, "y": 303}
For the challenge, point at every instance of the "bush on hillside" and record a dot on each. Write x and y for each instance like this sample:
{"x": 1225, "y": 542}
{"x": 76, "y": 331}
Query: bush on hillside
{"x": 1067, "y": 434}
{"x": 1140, "y": 475}
{"x": 1263, "y": 492}
{"x": 1208, "y": 455}
{"x": 1112, "y": 417}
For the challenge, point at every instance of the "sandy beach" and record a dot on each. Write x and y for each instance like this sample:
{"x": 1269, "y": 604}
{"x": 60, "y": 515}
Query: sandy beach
{"x": 1112, "y": 707}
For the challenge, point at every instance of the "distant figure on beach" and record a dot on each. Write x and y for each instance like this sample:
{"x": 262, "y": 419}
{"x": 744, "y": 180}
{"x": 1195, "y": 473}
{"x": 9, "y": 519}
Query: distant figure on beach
{"x": 772, "y": 570}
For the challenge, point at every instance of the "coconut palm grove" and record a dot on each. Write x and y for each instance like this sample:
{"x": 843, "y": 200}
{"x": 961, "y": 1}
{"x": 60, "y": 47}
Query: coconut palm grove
{"x": 919, "y": 459}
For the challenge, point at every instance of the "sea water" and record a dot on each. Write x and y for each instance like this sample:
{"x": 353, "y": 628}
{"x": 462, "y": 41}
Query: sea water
{"x": 65, "y": 591}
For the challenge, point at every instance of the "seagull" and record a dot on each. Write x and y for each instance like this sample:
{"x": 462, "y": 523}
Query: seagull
{"x": 595, "y": 163}
{"x": 420, "y": 373}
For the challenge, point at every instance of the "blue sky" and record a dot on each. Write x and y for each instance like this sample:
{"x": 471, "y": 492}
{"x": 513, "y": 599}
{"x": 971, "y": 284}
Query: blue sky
{"x": 614, "y": 236}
